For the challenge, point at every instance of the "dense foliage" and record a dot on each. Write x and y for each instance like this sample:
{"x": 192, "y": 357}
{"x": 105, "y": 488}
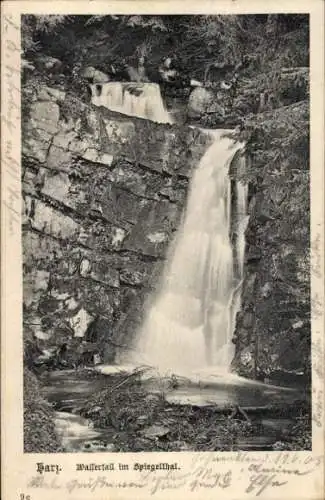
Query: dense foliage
{"x": 39, "y": 432}
{"x": 272, "y": 41}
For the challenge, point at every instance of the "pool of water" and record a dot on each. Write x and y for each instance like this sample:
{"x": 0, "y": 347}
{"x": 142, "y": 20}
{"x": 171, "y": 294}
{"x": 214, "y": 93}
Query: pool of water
{"x": 69, "y": 390}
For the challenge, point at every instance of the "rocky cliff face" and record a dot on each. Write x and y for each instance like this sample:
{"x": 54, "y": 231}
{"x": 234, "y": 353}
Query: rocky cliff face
{"x": 103, "y": 194}
{"x": 273, "y": 328}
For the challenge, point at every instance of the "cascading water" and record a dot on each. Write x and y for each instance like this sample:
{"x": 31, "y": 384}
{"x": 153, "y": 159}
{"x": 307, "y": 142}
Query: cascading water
{"x": 190, "y": 324}
{"x": 241, "y": 219}
{"x": 134, "y": 99}
{"x": 192, "y": 320}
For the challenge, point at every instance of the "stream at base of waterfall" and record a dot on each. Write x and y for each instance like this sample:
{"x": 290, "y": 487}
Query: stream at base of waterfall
{"x": 70, "y": 392}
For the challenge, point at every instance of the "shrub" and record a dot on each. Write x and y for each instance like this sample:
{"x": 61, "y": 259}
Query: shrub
{"x": 39, "y": 429}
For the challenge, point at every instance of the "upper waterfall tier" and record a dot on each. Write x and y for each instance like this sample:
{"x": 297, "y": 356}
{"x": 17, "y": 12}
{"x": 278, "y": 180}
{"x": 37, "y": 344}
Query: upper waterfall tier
{"x": 135, "y": 99}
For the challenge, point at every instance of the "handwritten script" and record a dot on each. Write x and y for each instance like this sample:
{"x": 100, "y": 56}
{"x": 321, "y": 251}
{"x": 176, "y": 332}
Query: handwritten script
{"x": 10, "y": 121}
{"x": 255, "y": 473}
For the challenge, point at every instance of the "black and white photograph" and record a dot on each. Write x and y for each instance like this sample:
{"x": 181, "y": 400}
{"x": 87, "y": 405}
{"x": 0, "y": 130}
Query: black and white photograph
{"x": 165, "y": 173}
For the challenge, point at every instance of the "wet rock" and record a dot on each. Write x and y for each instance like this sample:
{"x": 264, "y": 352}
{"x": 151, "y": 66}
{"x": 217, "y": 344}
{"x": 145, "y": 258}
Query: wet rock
{"x": 134, "y": 277}
{"x": 154, "y": 146}
{"x": 103, "y": 272}
{"x": 44, "y": 62}
{"x": 155, "y": 432}
{"x": 202, "y": 101}
{"x": 57, "y": 185}
{"x": 85, "y": 268}
{"x": 50, "y": 221}
{"x": 119, "y": 132}
{"x": 63, "y": 138}
{"x": 266, "y": 290}
{"x": 247, "y": 360}
{"x": 118, "y": 236}
{"x": 155, "y": 226}
{"x": 142, "y": 420}
{"x": 94, "y": 156}
{"x": 135, "y": 272}
{"x": 35, "y": 283}
{"x": 50, "y": 94}
{"x": 45, "y": 115}
{"x": 253, "y": 254}
{"x": 36, "y": 144}
{"x": 94, "y": 75}
{"x": 71, "y": 304}
{"x": 121, "y": 206}
{"x": 80, "y": 322}
{"x": 133, "y": 305}
{"x": 248, "y": 319}
{"x": 58, "y": 158}
{"x": 100, "y": 236}
{"x": 182, "y": 446}
{"x": 137, "y": 180}
{"x": 27, "y": 65}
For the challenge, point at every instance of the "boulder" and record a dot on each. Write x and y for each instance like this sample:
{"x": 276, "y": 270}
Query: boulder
{"x": 94, "y": 75}
{"x": 203, "y": 101}
{"x": 36, "y": 282}
{"x": 155, "y": 432}
{"x": 27, "y": 65}
{"x": 45, "y": 115}
{"x": 48, "y": 63}
{"x": 80, "y": 322}
{"x": 58, "y": 158}
{"x": 49, "y": 221}
{"x": 50, "y": 94}
{"x": 36, "y": 144}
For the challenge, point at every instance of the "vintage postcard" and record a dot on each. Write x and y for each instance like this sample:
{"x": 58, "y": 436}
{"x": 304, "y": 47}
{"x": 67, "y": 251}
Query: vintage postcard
{"x": 162, "y": 173}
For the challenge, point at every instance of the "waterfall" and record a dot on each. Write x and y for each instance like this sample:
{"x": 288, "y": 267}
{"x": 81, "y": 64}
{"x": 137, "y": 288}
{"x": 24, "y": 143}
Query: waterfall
{"x": 241, "y": 216}
{"x": 134, "y": 99}
{"x": 242, "y": 221}
{"x": 191, "y": 321}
